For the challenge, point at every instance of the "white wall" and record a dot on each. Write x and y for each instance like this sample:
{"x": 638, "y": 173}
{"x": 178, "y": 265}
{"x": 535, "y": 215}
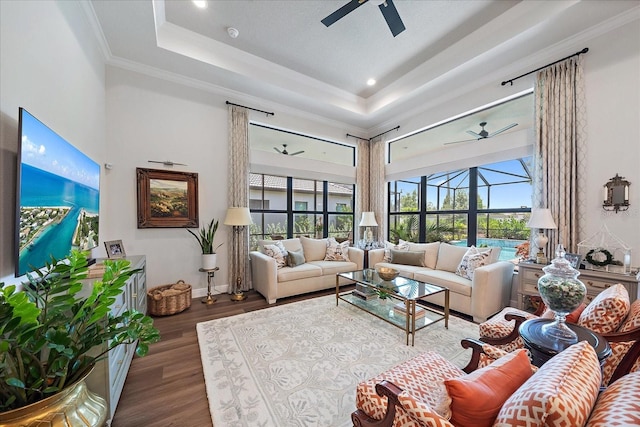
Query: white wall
{"x": 152, "y": 119}
{"x": 51, "y": 64}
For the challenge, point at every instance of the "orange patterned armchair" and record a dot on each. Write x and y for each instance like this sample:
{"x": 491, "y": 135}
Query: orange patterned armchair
{"x": 430, "y": 391}
{"x": 609, "y": 314}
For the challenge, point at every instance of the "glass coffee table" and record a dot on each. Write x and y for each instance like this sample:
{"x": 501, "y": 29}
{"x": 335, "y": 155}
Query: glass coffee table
{"x": 399, "y": 308}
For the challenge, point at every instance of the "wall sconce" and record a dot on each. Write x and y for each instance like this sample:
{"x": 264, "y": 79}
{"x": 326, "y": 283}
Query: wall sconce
{"x": 616, "y": 194}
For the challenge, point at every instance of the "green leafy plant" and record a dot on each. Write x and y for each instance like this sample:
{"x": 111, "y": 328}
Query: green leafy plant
{"x": 206, "y": 236}
{"x": 54, "y": 330}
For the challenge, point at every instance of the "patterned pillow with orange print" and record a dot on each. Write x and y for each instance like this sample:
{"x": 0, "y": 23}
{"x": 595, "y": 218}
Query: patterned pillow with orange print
{"x": 618, "y": 404}
{"x": 561, "y": 393}
{"x": 619, "y": 349}
{"x": 477, "y": 398}
{"x": 607, "y": 310}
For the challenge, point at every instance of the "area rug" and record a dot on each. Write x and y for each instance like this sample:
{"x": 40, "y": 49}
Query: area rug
{"x": 298, "y": 364}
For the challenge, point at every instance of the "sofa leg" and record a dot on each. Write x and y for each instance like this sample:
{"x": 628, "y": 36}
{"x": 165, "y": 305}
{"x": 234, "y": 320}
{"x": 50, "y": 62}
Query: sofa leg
{"x": 272, "y": 301}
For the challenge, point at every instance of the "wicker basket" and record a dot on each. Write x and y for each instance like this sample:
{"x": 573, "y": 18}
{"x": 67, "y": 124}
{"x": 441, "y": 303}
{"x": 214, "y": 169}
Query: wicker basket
{"x": 169, "y": 299}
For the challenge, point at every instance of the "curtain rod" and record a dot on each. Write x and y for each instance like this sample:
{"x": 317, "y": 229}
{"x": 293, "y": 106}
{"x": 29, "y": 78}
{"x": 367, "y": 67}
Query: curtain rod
{"x": 268, "y": 113}
{"x": 373, "y": 137}
{"x": 585, "y": 50}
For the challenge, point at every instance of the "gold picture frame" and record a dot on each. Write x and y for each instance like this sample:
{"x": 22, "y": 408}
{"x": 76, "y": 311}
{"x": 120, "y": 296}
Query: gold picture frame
{"x": 167, "y": 199}
{"x": 115, "y": 249}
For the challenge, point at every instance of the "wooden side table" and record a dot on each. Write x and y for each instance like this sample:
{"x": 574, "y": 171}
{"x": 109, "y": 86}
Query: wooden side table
{"x": 543, "y": 348}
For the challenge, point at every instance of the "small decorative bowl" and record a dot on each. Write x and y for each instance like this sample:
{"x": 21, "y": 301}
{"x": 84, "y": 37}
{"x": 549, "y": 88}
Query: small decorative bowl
{"x": 387, "y": 273}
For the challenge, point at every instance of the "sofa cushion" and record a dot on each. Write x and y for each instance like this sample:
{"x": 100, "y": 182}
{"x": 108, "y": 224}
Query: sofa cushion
{"x": 430, "y": 252}
{"x": 618, "y": 404}
{"x": 335, "y": 267}
{"x": 449, "y": 257}
{"x": 607, "y": 310}
{"x": 455, "y": 283}
{"x": 471, "y": 260}
{"x": 401, "y": 246}
{"x": 289, "y": 244}
{"x": 476, "y": 398}
{"x": 336, "y": 251}
{"x": 407, "y": 257}
{"x": 303, "y": 271}
{"x": 407, "y": 271}
{"x": 561, "y": 393}
{"x": 314, "y": 249}
{"x": 277, "y": 252}
{"x": 295, "y": 258}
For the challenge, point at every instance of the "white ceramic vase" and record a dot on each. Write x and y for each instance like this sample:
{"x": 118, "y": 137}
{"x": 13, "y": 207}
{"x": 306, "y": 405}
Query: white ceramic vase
{"x": 209, "y": 261}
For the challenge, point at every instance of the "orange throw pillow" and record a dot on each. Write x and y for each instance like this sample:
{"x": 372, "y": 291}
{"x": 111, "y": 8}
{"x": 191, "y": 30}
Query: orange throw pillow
{"x": 476, "y": 398}
{"x": 572, "y": 317}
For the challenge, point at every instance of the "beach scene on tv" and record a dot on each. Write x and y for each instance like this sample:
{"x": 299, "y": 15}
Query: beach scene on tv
{"x": 59, "y": 197}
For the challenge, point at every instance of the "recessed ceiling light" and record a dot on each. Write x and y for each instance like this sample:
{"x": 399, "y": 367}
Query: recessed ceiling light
{"x": 202, "y": 4}
{"x": 371, "y": 82}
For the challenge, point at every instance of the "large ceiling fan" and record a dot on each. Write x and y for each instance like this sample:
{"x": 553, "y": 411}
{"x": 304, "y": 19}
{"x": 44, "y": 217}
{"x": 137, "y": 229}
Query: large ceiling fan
{"x": 285, "y": 152}
{"x": 483, "y": 134}
{"x": 387, "y": 8}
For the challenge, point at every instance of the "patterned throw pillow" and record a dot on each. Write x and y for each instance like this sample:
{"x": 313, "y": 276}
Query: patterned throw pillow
{"x": 337, "y": 251}
{"x": 401, "y": 246}
{"x": 472, "y": 260}
{"x": 561, "y": 393}
{"x": 295, "y": 258}
{"x": 607, "y": 310}
{"x": 618, "y": 404}
{"x": 277, "y": 252}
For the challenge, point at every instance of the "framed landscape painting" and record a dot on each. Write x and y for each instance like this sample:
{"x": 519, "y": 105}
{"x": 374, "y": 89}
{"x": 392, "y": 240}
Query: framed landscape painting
{"x": 167, "y": 199}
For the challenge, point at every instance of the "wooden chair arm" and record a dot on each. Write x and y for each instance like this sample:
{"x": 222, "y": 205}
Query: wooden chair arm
{"x": 519, "y": 320}
{"x": 384, "y": 388}
{"x": 476, "y": 348}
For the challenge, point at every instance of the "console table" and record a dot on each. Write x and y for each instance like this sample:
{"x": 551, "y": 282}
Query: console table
{"x": 595, "y": 280}
{"x": 107, "y": 378}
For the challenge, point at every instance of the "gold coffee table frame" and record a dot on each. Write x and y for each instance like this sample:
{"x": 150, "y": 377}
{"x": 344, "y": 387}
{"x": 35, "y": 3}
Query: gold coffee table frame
{"x": 399, "y": 289}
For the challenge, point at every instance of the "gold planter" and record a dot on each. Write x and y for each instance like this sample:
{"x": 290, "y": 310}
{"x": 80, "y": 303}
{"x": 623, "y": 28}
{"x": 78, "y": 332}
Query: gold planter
{"x": 75, "y": 406}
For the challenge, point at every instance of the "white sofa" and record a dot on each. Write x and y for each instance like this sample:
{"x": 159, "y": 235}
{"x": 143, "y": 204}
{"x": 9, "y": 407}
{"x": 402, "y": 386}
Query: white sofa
{"x": 485, "y": 295}
{"x": 314, "y": 275}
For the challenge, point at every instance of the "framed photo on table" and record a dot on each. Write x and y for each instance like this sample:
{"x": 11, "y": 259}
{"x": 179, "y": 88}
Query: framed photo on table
{"x": 115, "y": 249}
{"x": 167, "y": 199}
{"x": 574, "y": 259}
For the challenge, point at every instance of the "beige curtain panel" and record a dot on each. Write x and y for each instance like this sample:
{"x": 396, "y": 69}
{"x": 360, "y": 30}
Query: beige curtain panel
{"x": 238, "y": 195}
{"x": 560, "y": 150}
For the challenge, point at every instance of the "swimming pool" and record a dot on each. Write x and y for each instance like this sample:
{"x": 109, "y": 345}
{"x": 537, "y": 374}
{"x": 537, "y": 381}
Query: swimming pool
{"x": 508, "y": 246}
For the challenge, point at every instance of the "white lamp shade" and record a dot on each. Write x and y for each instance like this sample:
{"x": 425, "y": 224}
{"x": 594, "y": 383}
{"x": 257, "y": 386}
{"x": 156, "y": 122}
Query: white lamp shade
{"x": 238, "y": 216}
{"x": 541, "y": 218}
{"x": 368, "y": 220}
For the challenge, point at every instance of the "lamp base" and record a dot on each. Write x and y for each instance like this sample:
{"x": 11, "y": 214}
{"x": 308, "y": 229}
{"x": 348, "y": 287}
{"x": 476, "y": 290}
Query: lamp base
{"x": 238, "y": 296}
{"x": 209, "y": 300}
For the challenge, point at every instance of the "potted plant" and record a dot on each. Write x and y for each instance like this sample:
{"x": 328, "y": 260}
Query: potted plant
{"x": 55, "y": 330}
{"x": 205, "y": 239}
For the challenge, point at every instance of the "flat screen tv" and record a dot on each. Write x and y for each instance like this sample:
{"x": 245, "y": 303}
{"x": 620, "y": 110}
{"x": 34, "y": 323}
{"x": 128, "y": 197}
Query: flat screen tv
{"x": 58, "y": 197}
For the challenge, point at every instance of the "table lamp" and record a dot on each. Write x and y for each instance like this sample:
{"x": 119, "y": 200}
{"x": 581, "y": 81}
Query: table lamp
{"x": 542, "y": 220}
{"x": 368, "y": 220}
{"x": 238, "y": 218}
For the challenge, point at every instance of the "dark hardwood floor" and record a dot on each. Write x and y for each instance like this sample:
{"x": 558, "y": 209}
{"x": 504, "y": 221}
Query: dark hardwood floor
{"x": 166, "y": 387}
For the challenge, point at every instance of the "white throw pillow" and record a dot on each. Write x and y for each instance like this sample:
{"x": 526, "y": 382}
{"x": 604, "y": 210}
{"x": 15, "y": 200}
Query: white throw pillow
{"x": 471, "y": 260}
{"x": 337, "y": 251}
{"x": 277, "y": 252}
{"x": 401, "y": 246}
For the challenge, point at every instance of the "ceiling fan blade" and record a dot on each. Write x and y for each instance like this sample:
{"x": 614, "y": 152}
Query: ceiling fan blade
{"x": 458, "y": 142}
{"x": 296, "y": 153}
{"x": 342, "y": 12}
{"x": 502, "y": 130}
{"x": 475, "y": 135}
{"x": 275, "y": 148}
{"x": 392, "y": 17}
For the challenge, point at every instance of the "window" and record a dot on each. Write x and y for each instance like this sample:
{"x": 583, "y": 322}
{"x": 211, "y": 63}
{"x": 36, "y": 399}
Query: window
{"x": 293, "y": 207}
{"x": 485, "y": 205}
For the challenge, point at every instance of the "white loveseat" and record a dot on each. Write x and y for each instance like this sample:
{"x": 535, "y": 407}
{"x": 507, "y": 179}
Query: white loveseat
{"x": 485, "y": 295}
{"x": 314, "y": 275}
